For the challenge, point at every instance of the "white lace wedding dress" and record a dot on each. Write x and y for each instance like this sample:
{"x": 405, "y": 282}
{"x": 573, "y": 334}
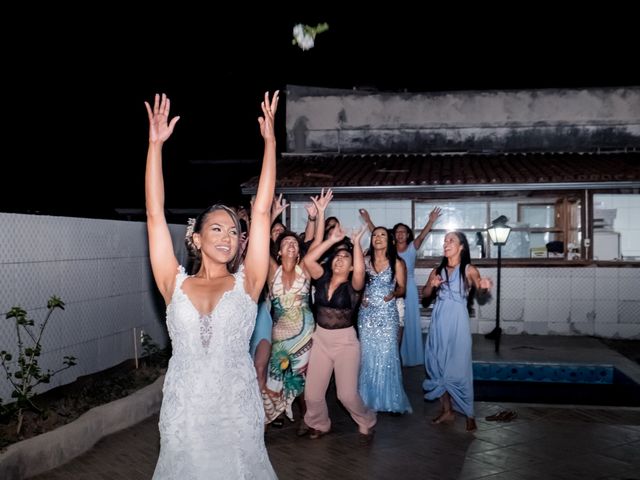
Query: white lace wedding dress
{"x": 212, "y": 418}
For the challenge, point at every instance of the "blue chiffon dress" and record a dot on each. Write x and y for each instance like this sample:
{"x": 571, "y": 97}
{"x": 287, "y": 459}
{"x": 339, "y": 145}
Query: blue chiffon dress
{"x": 411, "y": 349}
{"x": 262, "y": 330}
{"x": 448, "y": 348}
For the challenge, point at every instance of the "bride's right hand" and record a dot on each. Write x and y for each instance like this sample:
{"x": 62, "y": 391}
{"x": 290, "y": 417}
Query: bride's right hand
{"x": 160, "y": 129}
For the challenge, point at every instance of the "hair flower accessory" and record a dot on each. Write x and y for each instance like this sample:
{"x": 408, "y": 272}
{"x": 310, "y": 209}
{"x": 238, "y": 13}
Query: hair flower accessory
{"x": 304, "y": 35}
{"x": 188, "y": 236}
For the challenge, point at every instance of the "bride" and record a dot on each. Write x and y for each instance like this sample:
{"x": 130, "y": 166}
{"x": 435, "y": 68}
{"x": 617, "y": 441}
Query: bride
{"x": 212, "y": 419}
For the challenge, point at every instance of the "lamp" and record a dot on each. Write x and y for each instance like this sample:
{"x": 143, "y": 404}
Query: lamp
{"x": 499, "y": 233}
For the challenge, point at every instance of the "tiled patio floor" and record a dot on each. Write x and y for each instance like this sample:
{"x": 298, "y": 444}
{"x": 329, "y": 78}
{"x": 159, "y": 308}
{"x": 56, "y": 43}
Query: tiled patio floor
{"x": 543, "y": 442}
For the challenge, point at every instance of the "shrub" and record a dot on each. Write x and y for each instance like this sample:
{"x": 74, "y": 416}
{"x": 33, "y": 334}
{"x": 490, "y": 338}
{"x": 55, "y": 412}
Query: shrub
{"x": 25, "y": 374}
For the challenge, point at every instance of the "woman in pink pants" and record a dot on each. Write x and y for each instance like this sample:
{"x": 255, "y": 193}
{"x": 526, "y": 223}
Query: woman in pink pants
{"x": 335, "y": 344}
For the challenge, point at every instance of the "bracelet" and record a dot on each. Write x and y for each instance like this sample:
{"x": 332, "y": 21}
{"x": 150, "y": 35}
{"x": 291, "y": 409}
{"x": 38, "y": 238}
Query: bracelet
{"x": 311, "y": 219}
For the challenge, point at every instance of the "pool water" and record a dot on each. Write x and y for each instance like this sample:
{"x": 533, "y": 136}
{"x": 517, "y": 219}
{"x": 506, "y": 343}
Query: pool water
{"x": 554, "y": 383}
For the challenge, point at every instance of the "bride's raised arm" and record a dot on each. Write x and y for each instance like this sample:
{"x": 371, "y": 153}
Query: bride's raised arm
{"x": 257, "y": 258}
{"x": 163, "y": 260}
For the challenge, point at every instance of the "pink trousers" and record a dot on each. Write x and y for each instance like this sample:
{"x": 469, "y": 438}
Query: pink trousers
{"x": 335, "y": 351}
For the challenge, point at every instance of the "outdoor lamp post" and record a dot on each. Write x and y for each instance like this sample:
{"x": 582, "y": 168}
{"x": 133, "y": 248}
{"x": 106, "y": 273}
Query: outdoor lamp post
{"x": 499, "y": 233}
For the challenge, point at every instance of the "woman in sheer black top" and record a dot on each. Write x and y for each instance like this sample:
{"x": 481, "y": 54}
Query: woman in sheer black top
{"x": 336, "y": 348}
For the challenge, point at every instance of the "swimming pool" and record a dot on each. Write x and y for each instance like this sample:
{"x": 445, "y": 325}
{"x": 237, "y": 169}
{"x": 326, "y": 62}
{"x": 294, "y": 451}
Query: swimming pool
{"x": 554, "y": 383}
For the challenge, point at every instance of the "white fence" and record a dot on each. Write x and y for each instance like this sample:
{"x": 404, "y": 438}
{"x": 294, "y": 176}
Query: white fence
{"x": 100, "y": 269}
{"x": 600, "y": 301}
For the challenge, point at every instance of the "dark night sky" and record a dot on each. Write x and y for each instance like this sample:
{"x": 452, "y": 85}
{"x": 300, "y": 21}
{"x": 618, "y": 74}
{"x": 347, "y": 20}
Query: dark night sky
{"x": 74, "y": 99}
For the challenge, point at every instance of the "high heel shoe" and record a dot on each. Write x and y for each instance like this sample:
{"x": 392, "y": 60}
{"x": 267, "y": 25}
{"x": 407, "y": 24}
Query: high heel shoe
{"x": 303, "y": 429}
{"x": 366, "y": 438}
{"x": 315, "y": 434}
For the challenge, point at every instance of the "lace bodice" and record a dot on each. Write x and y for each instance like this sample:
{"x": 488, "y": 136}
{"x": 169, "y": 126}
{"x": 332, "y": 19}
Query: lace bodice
{"x": 211, "y": 420}
{"x": 227, "y": 329}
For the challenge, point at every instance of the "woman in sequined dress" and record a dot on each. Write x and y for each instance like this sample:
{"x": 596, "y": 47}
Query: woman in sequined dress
{"x": 448, "y": 350}
{"x": 380, "y": 381}
{"x": 411, "y": 349}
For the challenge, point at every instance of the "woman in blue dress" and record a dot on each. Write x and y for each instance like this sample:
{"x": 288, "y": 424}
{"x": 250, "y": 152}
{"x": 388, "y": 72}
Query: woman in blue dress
{"x": 380, "y": 381}
{"x": 448, "y": 349}
{"x": 411, "y": 351}
{"x": 411, "y": 347}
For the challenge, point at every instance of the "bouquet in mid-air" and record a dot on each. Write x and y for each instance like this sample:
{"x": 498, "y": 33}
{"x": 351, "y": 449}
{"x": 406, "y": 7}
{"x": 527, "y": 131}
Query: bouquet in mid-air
{"x": 304, "y": 35}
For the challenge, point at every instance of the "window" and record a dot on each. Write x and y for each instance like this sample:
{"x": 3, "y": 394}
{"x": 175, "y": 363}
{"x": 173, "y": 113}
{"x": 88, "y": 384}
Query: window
{"x": 547, "y": 227}
{"x": 616, "y": 233}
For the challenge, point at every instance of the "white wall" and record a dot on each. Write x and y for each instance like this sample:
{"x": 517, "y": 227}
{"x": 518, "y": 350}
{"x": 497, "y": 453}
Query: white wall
{"x": 100, "y": 269}
{"x": 326, "y": 120}
{"x": 599, "y": 301}
{"x": 384, "y": 213}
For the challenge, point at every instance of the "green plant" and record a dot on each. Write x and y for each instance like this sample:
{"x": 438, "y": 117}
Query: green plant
{"x": 25, "y": 374}
{"x": 152, "y": 354}
{"x": 149, "y": 347}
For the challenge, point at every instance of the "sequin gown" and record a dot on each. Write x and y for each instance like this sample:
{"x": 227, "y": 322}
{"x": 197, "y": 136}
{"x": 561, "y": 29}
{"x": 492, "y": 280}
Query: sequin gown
{"x": 411, "y": 349}
{"x": 211, "y": 419}
{"x": 380, "y": 381}
{"x": 448, "y": 349}
{"x": 293, "y": 326}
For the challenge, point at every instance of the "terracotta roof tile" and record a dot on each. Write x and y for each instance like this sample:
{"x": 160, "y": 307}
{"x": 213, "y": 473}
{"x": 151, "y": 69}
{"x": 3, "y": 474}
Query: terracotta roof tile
{"x": 377, "y": 171}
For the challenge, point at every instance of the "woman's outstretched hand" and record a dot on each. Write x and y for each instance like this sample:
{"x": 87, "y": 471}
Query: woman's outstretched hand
{"x": 365, "y": 215}
{"x": 269, "y": 108}
{"x": 337, "y": 234}
{"x": 278, "y": 205}
{"x": 357, "y": 234}
{"x": 160, "y": 128}
{"x": 434, "y": 215}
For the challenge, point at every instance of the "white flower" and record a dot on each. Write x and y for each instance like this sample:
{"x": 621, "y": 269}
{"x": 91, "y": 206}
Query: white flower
{"x": 298, "y": 31}
{"x": 191, "y": 223}
{"x": 304, "y": 35}
{"x": 306, "y": 42}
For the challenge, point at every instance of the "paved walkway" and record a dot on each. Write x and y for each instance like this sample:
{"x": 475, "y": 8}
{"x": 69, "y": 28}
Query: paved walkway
{"x": 543, "y": 442}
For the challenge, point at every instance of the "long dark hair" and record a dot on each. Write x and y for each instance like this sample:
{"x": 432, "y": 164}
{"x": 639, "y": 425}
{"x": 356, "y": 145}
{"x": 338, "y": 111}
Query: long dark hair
{"x": 273, "y": 250}
{"x": 343, "y": 245}
{"x": 409, "y": 231}
{"x": 234, "y": 263}
{"x": 465, "y": 259}
{"x": 391, "y": 253}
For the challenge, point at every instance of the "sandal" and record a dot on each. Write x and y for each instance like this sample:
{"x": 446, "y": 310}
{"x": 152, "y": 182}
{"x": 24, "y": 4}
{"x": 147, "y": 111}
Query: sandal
{"x": 303, "y": 429}
{"x": 503, "y": 416}
{"x": 315, "y": 434}
{"x": 508, "y": 416}
{"x": 366, "y": 438}
{"x": 494, "y": 417}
